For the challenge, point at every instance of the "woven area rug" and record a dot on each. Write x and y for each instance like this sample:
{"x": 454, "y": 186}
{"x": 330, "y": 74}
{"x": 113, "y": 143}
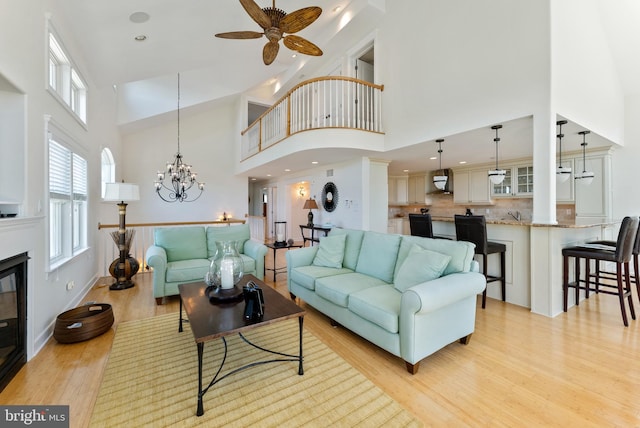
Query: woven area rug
{"x": 151, "y": 380}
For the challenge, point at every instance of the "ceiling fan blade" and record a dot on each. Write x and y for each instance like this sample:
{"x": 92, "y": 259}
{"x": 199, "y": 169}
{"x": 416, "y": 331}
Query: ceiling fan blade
{"x": 299, "y": 19}
{"x": 304, "y": 46}
{"x": 270, "y": 52}
{"x": 240, "y": 35}
{"x": 256, "y": 13}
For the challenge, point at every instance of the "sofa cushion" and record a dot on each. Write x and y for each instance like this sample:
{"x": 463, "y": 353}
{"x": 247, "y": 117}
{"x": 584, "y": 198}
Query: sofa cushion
{"x": 306, "y": 275}
{"x": 419, "y": 266}
{"x": 238, "y": 232}
{"x": 379, "y": 305}
{"x": 352, "y": 245}
{"x": 330, "y": 252}
{"x": 378, "y": 255}
{"x": 337, "y": 288}
{"x": 182, "y": 243}
{"x": 461, "y": 252}
{"x": 187, "y": 270}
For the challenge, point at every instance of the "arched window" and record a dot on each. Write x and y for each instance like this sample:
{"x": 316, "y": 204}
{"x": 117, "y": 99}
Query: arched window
{"x": 108, "y": 169}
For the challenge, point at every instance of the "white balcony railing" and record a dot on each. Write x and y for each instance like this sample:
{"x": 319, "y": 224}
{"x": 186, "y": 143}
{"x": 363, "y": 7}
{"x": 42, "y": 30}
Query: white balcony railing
{"x": 326, "y": 102}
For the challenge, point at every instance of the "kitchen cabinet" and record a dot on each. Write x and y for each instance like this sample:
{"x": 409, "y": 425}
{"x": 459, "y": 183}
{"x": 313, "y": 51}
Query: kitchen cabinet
{"x": 471, "y": 187}
{"x": 417, "y": 189}
{"x": 593, "y": 200}
{"x": 394, "y": 225}
{"x": 518, "y": 182}
{"x": 398, "y": 190}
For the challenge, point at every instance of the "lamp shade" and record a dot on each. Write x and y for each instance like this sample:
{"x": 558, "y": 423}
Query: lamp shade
{"x": 586, "y": 178}
{"x": 497, "y": 175}
{"x": 440, "y": 181}
{"x": 562, "y": 174}
{"x": 121, "y": 192}
{"x": 310, "y": 204}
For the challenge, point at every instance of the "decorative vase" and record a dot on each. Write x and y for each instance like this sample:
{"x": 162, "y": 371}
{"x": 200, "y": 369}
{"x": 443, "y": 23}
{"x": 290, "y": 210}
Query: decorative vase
{"x": 226, "y": 268}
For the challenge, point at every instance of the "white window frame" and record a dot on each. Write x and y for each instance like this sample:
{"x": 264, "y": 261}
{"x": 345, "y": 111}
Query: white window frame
{"x": 68, "y": 199}
{"x": 64, "y": 80}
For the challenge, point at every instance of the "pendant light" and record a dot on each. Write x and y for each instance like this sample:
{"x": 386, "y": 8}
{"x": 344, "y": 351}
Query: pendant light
{"x": 587, "y": 176}
{"x": 497, "y": 175}
{"x": 562, "y": 173}
{"x": 440, "y": 181}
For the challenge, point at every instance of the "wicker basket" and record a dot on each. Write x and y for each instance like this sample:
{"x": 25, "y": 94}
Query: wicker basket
{"x": 83, "y": 323}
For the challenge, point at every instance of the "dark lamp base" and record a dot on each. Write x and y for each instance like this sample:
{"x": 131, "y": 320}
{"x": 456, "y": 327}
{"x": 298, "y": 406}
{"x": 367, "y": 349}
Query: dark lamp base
{"x": 225, "y": 295}
{"x": 122, "y": 285}
{"x": 310, "y": 219}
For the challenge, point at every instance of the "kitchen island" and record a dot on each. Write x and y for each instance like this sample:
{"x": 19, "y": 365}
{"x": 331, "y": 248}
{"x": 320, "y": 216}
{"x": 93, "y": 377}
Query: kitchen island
{"x": 533, "y": 256}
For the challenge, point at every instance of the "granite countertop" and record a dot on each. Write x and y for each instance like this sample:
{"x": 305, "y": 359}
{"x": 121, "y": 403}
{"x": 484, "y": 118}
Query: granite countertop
{"x": 583, "y": 223}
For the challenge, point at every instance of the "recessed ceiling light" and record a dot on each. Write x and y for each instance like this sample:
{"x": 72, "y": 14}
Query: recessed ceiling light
{"x": 462, "y": 162}
{"x": 405, "y": 170}
{"x": 139, "y": 17}
{"x": 268, "y": 175}
{"x": 315, "y": 162}
{"x": 287, "y": 170}
{"x": 140, "y": 38}
{"x": 433, "y": 158}
{"x": 253, "y": 179}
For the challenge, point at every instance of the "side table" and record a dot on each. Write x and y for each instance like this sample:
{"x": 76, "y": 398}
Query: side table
{"x": 275, "y": 248}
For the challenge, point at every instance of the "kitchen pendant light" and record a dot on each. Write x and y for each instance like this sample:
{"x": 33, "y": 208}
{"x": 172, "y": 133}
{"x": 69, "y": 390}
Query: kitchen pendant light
{"x": 497, "y": 175}
{"x": 562, "y": 172}
{"x": 587, "y": 176}
{"x": 440, "y": 181}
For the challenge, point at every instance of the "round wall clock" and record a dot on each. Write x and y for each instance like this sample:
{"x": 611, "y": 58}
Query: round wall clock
{"x": 330, "y": 197}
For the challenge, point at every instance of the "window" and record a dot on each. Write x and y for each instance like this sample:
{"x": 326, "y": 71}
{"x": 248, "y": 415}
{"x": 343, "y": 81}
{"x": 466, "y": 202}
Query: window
{"x": 108, "y": 168}
{"x": 67, "y": 202}
{"x": 65, "y": 82}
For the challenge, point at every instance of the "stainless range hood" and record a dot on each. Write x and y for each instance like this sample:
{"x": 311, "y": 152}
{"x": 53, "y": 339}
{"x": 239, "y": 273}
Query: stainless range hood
{"x": 448, "y": 187}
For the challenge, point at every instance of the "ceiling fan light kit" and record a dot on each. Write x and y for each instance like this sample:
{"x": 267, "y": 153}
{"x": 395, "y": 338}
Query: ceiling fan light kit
{"x": 275, "y": 23}
{"x": 497, "y": 175}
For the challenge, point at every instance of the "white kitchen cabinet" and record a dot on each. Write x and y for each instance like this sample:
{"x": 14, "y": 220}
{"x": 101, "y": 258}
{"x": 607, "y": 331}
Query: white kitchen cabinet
{"x": 417, "y": 189}
{"x": 394, "y": 225}
{"x": 471, "y": 187}
{"x": 398, "y": 192}
{"x": 518, "y": 182}
{"x": 593, "y": 200}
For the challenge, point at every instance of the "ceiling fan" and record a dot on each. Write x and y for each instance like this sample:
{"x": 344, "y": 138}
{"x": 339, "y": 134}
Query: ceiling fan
{"x": 275, "y": 23}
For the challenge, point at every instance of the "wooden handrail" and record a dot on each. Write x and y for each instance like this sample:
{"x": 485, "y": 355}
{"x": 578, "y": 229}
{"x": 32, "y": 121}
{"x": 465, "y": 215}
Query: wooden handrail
{"x": 307, "y": 82}
{"x": 172, "y": 223}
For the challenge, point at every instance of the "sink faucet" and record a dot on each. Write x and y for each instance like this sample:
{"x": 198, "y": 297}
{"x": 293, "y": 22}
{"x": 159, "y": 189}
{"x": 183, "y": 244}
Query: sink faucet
{"x": 516, "y": 215}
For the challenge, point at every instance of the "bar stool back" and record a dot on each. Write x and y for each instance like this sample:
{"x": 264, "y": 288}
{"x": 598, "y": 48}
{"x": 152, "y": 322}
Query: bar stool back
{"x": 620, "y": 254}
{"x": 473, "y": 228}
{"x": 421, "y": 225}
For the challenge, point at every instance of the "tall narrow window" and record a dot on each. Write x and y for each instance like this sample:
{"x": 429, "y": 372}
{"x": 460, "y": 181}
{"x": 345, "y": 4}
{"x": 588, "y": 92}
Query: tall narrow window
{"x": 108, "y": 168}
{"x": 65, "y": 82}
{"x": 67, "y": 203}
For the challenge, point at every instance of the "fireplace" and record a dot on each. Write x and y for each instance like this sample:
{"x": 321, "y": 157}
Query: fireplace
{"x": 13, "y": 316}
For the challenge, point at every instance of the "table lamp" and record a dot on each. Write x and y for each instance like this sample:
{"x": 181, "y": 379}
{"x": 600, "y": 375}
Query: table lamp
{"x": 125, "y": 266}
{"x": 310, "y": 204}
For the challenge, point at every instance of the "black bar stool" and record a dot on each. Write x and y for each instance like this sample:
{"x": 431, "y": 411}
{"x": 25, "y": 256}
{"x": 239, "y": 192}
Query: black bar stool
{"x": 620, "y": 254}
{"x": 473, "y": 228}
{"x": 421, "y": 225}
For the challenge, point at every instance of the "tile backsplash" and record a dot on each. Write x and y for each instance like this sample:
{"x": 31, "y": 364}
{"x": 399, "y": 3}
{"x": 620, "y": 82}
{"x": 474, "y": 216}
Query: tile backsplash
{"x": 442, "y": 206}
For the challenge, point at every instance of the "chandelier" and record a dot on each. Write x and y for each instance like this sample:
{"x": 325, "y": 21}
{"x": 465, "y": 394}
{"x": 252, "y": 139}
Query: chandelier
{"x": 174, "y": 183}
{"x": 562, "y": 172}
{"x": 587, "y": 176}
{"x": 440, "y": 181}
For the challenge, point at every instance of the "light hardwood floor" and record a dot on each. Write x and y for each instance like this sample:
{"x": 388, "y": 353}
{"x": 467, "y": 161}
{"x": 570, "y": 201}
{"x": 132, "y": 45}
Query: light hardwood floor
{"x": 578, "y": 369}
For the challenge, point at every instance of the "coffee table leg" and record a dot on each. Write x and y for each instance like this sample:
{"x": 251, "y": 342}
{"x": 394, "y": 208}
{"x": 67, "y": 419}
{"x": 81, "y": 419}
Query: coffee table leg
{"x": 200, "y": 410}
{"x": 300, "y": 369}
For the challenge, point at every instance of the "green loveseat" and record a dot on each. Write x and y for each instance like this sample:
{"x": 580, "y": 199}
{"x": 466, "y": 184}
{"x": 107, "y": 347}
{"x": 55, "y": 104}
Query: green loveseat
{"x": 408, "y": 295}
{"x": 183, "y": 254}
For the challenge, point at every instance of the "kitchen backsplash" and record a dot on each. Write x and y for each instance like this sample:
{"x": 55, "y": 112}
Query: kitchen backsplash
{"x": 443, "y": 206}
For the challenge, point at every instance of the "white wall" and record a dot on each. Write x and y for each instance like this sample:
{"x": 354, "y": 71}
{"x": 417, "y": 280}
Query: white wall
{"x": 207, "y": 141}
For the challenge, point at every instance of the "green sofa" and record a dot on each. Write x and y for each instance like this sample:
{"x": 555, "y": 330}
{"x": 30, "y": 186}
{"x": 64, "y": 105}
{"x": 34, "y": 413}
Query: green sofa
{"x": 408, "y": 295}
{"x": 183, "y": 254}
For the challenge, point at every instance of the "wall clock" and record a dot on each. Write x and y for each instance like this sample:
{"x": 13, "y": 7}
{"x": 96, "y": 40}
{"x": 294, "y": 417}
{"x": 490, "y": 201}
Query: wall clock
{"x": 330, "y": 197}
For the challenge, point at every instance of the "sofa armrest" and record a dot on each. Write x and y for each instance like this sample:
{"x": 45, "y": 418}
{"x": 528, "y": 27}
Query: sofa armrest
{"x": 157, "y": 258}
{"x": 433, "y": 295}
{"x": 301, "y": 257}
{"x": 257, "y": 251}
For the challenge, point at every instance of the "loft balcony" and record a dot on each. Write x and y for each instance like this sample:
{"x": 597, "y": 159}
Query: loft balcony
{"x": 347, "y": 106}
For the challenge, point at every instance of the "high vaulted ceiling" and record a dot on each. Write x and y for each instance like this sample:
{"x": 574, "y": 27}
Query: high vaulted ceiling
{"x": 180, "y": 39}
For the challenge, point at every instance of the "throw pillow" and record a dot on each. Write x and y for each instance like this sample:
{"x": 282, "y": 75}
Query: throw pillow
{"x": 420, "y": 265}
{"x": 331, "y": 251}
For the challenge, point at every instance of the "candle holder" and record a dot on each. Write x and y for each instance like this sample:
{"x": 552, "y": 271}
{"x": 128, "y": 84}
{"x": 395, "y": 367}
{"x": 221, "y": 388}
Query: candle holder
{"x": 281, "y": 233}
{"x": 225, "y": 272}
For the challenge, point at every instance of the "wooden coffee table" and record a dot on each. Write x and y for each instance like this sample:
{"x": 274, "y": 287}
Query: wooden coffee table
{"x": 216, "y": 321}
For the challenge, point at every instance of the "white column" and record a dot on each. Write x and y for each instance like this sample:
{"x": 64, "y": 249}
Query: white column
{"x": 544, "y": 165}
